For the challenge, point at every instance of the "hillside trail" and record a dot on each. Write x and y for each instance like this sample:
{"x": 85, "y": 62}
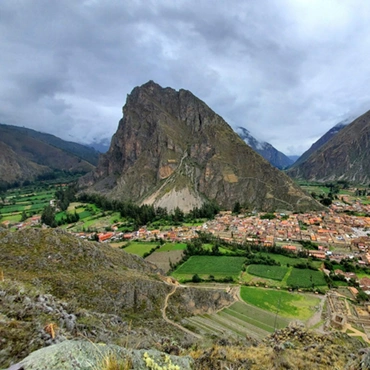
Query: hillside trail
{"x": 164, "y": 315}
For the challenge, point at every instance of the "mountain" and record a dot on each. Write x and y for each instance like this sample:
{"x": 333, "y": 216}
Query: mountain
{"x": 323, "y": 140}
{"x": 101, "y": 146}
{"x": 293, "y": 158}
{"x": 276, "y": 158}
{"x": 345, "y": 156}
{"x": 26, "y": 154}
{"x": 172, "y": 150}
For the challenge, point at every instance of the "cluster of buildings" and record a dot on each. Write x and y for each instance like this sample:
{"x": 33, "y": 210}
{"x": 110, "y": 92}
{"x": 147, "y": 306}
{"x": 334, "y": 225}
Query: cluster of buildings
{"x": 326, "y": 228}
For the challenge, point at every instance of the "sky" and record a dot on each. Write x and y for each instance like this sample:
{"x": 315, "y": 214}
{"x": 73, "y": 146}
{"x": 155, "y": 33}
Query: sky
{"x": 287, "y": 70}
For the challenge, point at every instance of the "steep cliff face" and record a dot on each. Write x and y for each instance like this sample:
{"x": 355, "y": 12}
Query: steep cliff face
{"x": 344, "y": 157}
{"x": 171, "y": 150}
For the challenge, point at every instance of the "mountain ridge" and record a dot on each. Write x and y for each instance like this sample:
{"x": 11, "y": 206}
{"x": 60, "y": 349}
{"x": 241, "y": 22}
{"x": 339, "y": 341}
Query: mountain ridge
{"x": 27, "y": 154}
{"x": 271, "y": 154}
{"x": 322, "y": 140}
{"x": 343, "y": 157}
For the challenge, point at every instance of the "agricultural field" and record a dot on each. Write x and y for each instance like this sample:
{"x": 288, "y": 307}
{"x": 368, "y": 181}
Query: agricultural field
{"x": 238, "y": 320}
{"x": 167, "y": 255}
{"x": 290, "y": 261}
{"x": 172, "y": 247}
{"x": 218, "y": 266}
{"x": 305, "y": 278}
{"x": 30, "y": 200}
{"x": 268, "y": 272}
{"x": 286, "y": 304}
{"x": 140, "y": 248}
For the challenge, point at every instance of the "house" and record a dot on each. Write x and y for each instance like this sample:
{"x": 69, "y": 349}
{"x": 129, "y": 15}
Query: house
{"x": 365, "y": 283}
{"x": 317, "y": 254}
{"x": 291, "y": 248}
{"x": 105, "y": 236}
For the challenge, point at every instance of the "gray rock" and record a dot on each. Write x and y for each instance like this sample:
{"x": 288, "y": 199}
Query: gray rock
{"x": 84, "y": 355}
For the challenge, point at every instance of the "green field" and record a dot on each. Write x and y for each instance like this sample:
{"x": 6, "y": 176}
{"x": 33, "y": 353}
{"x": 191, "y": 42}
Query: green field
{"x": 172, "y": 247}
{"x": 139, "y": 248}
{"x": 304, "y": 278}
{"x": 291, "y": 261}
{"x": 286, "y": 304}
{"x": 210, "y": 265}
{"x": 268, "y": 272}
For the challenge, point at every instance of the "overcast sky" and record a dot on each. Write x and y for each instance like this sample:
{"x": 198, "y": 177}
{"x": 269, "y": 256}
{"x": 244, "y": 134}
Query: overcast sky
{"x": 288, "y": 70}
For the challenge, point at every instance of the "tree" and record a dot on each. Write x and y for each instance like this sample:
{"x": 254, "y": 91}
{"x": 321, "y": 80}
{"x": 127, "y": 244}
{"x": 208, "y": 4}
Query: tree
{"x": 196, "y": 279}
{"x": 24, "y": 216}
{"x": 48, "y": 216}
{"x": 237, "y": 208}
{"x": 178, "y": 215}
{"x": 362, "y": 296}
{"x": 326, "y": 201}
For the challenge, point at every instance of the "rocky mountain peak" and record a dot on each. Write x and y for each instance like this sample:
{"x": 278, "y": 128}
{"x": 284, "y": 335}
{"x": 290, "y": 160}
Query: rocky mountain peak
{"x": 172, "y": 150}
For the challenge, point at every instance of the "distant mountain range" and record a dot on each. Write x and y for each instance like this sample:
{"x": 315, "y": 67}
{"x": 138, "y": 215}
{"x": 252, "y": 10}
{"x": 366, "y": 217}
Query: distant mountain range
{"x": 341, "y": 154}
{"x": 101, "y": 146}
{"x": 171, "y": 150}
{"x": 276, "y": 158}
{"x": 26, "y": 154}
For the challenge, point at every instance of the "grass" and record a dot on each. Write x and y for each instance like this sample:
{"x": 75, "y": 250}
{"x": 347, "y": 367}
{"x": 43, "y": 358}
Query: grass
{"x": 268, "y": 272}
{"x": 210, "y": 265}
{"x": 111, "y": 362}
{"x": 172, "y": 247}
{"x": 139, "y": 248}
{"x": 305, "y": 278}
{"x": 287, "y": 304}
{"x": 286, "y": 260}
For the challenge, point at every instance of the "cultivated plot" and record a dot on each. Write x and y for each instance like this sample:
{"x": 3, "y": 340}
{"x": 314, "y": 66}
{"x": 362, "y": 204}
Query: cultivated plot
{"x": 286, "y": 304}
{"x": 218, "y": 266}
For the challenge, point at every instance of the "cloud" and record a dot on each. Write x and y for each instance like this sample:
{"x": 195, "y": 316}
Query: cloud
{"x": 286, "y": 70}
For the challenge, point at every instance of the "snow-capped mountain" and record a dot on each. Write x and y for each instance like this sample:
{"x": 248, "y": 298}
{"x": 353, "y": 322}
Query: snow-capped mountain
{"x": 276, "y": 158}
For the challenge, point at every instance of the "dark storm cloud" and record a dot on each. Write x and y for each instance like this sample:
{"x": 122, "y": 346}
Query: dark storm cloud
{"x": 287, "y": 70}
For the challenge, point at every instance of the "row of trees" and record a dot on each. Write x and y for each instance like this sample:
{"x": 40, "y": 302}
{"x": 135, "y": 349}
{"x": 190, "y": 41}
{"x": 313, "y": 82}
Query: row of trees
{"x": 146, "y": 214}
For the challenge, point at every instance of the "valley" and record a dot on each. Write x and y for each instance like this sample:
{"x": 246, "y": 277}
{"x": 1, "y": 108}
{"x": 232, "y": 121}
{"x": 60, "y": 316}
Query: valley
{"x": 282, "y": 265}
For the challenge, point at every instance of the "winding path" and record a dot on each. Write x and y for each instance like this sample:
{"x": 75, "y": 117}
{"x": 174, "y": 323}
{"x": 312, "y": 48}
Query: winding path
{"x": 164, "y": 315}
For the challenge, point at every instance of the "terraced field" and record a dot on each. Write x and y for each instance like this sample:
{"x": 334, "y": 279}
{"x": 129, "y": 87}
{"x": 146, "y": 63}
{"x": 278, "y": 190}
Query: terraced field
{"x": 239, "y": 320}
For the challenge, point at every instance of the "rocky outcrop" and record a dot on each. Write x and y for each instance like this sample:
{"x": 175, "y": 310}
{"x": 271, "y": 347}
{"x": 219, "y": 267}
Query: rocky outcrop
{"x": 171, "y": 150}
{"x": 343, "y": 157}
{"x": 84, "y": 355}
